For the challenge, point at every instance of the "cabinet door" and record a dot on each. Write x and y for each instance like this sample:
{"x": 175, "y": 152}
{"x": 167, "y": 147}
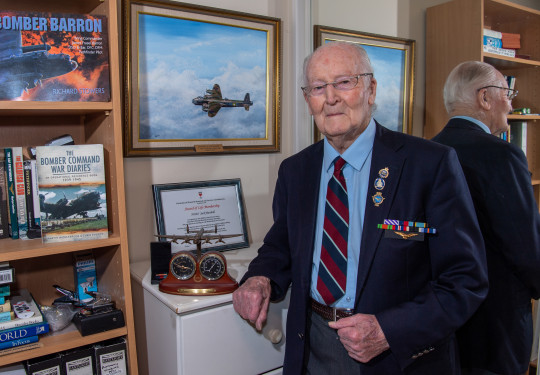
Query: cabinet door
{"x": 218, "y": 341}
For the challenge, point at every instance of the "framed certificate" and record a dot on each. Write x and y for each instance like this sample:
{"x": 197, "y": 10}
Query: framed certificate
{"x": 209, "y": 214}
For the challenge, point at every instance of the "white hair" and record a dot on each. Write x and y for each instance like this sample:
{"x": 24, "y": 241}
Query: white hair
{"x": 464, "y": 81}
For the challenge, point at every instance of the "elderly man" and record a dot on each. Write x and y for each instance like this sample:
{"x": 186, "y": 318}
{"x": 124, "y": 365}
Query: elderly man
{"x": 498, "y": 338}
{"x": 374, "y": 232}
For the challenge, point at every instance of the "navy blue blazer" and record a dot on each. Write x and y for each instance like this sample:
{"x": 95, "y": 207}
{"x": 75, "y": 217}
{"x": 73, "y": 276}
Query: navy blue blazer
{"x": 499, "y": 336}
{"x": 420, "y": 291}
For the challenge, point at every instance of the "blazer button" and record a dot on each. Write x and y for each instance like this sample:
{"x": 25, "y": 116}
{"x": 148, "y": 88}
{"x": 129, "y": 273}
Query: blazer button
{"x": 301, "y": 336}
{"x": 414, "y": 356}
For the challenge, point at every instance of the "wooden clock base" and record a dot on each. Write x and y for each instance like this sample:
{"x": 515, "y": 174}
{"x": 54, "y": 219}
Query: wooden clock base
{"x": 198, "y": 286}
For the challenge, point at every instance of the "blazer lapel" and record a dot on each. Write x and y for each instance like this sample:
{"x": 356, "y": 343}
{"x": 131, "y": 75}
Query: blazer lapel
{"x": 311, "y": 175}
{"x": 386, "y": 165}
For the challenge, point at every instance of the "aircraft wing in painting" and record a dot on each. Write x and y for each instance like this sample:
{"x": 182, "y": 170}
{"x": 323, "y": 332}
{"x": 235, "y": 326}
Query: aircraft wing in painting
{"x": 213, "y": 101}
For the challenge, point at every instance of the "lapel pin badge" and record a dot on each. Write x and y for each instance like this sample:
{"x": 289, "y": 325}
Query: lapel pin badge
{"x": 379, "y": 183}
{"x": 383, "y": 173}
{"x": 377, "y": 199}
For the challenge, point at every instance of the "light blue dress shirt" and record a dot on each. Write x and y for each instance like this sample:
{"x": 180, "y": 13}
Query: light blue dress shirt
{"x": 477, "y": 122}
{"x": 356, "y": 173}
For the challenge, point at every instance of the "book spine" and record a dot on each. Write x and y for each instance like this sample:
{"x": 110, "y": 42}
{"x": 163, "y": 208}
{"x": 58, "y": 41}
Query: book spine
{"x": 14, "y": 323}
{"x": 29, "y": 199}
{"x": 4, "y": 220}
{"x": 500, "y": 51}
{"x": 18, "y": 342}
{"x": 17, "y": 349}
{"x": 35, "y": 191}
{"x": 18, "y": 172}
{"x": 34, "y": 231}
{"x": 23, "y": 332}
{"x": 493, "y": 33}
{"x": 12, "y": 204}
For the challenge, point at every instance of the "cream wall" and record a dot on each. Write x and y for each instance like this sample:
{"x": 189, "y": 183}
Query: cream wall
{"x": 399, "y": 18}
{"x": 256, "y": 171}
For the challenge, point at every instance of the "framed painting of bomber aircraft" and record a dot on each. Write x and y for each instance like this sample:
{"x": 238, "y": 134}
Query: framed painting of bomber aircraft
{"x": 199, "y": 80}
{"x": 393, "y": 62}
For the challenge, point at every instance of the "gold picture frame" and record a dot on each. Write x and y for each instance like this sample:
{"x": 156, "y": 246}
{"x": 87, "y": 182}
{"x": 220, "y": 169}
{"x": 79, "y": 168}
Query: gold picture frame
{"x": 178, "y": 59}
{"x": 398, "y": 54}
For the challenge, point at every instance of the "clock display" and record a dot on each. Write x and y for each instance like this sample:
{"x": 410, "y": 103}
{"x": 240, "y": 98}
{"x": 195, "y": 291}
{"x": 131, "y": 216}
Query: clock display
{"x": 212, "y": 266}
{"x": 183, "y": 266}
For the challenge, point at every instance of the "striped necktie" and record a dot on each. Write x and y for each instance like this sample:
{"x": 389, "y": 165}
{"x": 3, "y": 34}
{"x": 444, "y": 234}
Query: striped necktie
{"x": 332, "y": 280}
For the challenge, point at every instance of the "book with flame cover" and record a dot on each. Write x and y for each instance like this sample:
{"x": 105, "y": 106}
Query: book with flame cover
{"x": 53, "y": 57}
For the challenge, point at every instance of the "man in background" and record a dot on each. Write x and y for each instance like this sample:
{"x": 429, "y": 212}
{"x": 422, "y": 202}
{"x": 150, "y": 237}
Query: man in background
{"x": 498, "y": 338}
{"x": 366, "y": 299}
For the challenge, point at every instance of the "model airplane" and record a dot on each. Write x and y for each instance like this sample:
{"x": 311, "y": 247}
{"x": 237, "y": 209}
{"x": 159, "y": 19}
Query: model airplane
{"x": 63, "y": 208}
{"x": 199, "y": 236}
{"x": 212, "y": 101}
{"x": 23, "y": 68}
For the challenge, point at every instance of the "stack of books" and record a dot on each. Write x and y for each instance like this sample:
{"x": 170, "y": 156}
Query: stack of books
{"x": 22, "y": 330}
{"x": 504, "y": 44}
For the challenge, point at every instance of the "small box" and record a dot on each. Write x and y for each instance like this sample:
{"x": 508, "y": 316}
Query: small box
{"x": 160, "y": 257}
{"x": 85, "y": 276}
{"x": 110, "y": 357}
{"x": 49, "y": 364}
{"x": 7, "y": 275}
{"x": 99, "y": 322}
{"x": 79, "y": 361}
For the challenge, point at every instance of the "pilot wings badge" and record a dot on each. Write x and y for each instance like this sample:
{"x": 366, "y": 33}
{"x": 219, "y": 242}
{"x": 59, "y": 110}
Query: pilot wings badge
{"x": 406, "y": 236}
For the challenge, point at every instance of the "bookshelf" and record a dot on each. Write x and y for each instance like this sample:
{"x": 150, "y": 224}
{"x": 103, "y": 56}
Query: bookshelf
{"x": 38, "y": 266}
{"x": 454, "y": 33}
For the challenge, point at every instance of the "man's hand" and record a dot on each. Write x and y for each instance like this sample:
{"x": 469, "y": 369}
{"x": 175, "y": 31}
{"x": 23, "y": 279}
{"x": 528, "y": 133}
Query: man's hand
{"x": 251, "y": 300}
{"x": 362, "y": 336}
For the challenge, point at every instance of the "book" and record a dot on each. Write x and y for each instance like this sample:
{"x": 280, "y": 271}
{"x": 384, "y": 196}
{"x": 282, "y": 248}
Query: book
{"x": 71, "y": 184}
{"x": 17, "y": 349}
{"x": 493, "y": 42}
{"x": 518, "y": 134}
{"x": 24, "y": 331}
{"x": 18, "y": 342}
{"x": 32, "y": 199}
{"x": 20, "y": 195}
{"x": 54, "y": 57}
{"x": 4, "y": 219}
{"x": 6, "y": 306}
{"x": 500, "y": 51}
{"x": 511, "y": 81}
{"x": 511, "y": 40}
{"x": 37, "y": 317}
{"x": 12, "y": 201}
{"x": 492, "y": 33}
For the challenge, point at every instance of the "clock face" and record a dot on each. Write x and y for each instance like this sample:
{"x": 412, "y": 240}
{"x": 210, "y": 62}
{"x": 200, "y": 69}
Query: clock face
{"x": 212, "y": 266}
{"x": 183, "y": 266}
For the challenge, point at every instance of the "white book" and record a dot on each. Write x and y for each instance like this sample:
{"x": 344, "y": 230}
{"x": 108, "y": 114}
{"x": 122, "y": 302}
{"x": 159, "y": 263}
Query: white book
{"x": 500, "y": 51}
{"x": 493, "y": 33}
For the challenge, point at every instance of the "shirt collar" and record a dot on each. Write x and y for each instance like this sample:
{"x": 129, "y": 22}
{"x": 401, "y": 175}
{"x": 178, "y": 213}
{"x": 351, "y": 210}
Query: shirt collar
{"x": 476, "y": 121}
{"x": 356, "y": 154}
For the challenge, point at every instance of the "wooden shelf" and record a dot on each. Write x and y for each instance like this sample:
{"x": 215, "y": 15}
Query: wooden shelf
{"x": 21, "y": 249}
{"x": 39, "y": 266}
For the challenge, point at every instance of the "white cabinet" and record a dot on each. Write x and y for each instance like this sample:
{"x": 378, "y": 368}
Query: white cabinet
{"x": 187, "y": 335}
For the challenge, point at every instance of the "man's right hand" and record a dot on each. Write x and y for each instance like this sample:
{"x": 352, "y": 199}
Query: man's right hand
{"x": 251, "y": 300}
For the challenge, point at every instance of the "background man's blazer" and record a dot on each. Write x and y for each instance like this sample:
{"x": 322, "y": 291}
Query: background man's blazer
{"x": 499, "y": 336}
{"x": 420, "y": 291}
